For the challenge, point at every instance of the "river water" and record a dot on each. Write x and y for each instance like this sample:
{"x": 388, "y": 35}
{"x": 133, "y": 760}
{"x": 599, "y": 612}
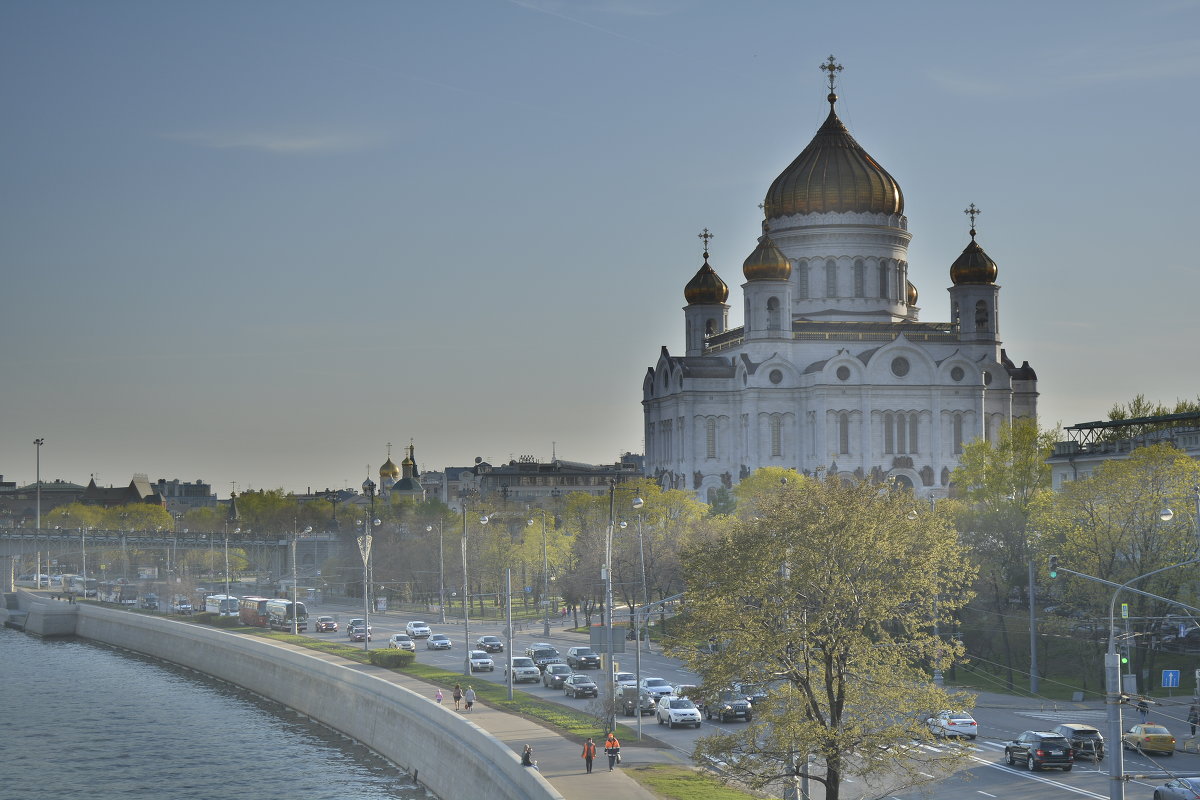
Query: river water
{"x": 82, "y": 720}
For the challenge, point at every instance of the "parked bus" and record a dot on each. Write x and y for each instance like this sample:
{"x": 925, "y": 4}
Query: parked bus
{"x": 279, "y": 615}
{"x": 253, "y": 611}
{"x": 225, "y": 605}
{"x": 79, "y": 586}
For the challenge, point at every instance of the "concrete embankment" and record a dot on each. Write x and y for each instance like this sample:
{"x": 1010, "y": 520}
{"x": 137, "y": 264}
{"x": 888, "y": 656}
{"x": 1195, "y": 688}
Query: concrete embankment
{"x": 445, "y": 752}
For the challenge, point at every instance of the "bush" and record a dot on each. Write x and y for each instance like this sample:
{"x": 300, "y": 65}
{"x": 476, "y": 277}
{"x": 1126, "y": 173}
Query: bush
{"x": 227, "y": 622}
{"x": 391, "y": 659}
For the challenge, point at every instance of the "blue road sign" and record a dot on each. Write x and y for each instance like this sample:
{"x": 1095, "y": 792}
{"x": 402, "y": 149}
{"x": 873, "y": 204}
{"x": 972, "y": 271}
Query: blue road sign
{"x": 528, "y": 589}
{"x": 1170, "y": 679}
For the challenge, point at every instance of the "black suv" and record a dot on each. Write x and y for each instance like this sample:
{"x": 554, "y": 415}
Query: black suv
{"x": 544, "y": 657}
{"x": 583, "y": 658}
{"x": 1085, "y": 740}
{"x": 1038, "y": 749}
{"x": 728, "y": 705}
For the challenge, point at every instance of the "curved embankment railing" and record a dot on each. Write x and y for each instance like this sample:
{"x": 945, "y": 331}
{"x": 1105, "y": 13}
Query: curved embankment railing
{"x": 449, "y": 755}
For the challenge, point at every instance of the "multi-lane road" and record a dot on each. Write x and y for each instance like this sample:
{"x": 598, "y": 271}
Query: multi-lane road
{"x": 987, "y": 776}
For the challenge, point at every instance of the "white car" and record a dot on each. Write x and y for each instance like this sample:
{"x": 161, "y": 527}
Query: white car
{"x": 438, "y": 641}
{"x": 655, "y": 687}
{"x": 482, "y": 662}
{"x": 402, "y": 641}
{"x": 624, "y": 679}
{"x": 523, "y": 669}
{"x": 417, "y": 630}
{"x": 953, "y": 723}
{"x": 672, "y": 711}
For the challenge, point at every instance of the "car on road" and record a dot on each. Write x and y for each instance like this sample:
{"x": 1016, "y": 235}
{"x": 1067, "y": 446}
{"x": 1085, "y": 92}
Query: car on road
{"x": 622, "y": 679}
{"x": 655, "y": 688}
{"x": 1085, "y": 740}
{"x": 150, "y": 601}
{"x": 438, "y": 641}
{"x": 356, "y": 633}
{"x": 727, "y": 705}
{"x": 953, "y": 723}
{"x": 482, "y": 662}
{"x": 672, "y": 711}
{"x": 583, "y": 658}
{"x": 537, "y": 646}
{"x": 523, "y": 669}
{"x": 1040, "y": 749}
{"x": 326, "y": 624}
{"x": 756, "y": 693}
{"x": 490, "y": 644}
{"x": 554, "y": 675}
{"x": 580, "y": 685}
{"x": 402, "y": 641}
{"x": 1178, "y": 789}
{"x": 633, "y": 701}
{"x": 1149, "y": 738}
{"x": 545, "y": 656}
{"x": 181, "y": 606}
{"x": 418, "y": 630}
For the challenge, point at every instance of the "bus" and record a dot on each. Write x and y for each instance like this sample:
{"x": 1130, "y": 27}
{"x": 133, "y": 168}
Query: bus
{"x": 77, "y": 585}
{"x": 225, "y": 605}
{"x": 279, "y": 615}
{"x": 253, "y": 611}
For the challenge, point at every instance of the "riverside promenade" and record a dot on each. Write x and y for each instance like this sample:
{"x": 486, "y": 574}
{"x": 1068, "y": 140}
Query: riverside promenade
{"x": 559, "y": 757}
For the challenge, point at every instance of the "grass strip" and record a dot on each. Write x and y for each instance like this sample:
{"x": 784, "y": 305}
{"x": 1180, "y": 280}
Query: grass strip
{"x": 676, "y": 782}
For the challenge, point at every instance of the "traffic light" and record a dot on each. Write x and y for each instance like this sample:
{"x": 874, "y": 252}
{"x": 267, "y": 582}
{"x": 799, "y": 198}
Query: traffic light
{"x": 1053, "y": 566}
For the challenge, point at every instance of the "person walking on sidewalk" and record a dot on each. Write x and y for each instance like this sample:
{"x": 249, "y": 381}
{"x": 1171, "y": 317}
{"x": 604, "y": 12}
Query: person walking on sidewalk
{"x": 612, "y": 749}
{"x": 589, "y": 753}
{"x": 1143, "y": 708}
{"x": 457, "y": 695}
{"x": 469, "y": 696}
{"x": 1194, "y": 716}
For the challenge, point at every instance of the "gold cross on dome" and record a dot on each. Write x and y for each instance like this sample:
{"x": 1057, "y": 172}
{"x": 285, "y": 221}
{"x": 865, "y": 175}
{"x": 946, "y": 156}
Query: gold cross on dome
{"x": 972, "y": 212}
{"x": 832, "y": 67}
{"x": 705, "y": 236}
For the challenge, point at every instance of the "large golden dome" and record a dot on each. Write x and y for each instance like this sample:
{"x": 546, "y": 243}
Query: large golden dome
{"x": 389, "y": 469}
{"x": 767, "y": 262}
{"x": 833, "y": 174}
{"x": 705, "y": 287}
{"x": 973, "y": 265}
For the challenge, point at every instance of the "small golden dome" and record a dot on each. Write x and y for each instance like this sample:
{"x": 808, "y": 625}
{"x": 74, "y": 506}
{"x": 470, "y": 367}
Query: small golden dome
{"x": 911, "y": 292}
{"x": 389, "y": 469}
{"x": 767, "y": 262}
{"x": 833, "y": 174}
{"x": 705, "y": 287}
{"x": 973, "y": 265}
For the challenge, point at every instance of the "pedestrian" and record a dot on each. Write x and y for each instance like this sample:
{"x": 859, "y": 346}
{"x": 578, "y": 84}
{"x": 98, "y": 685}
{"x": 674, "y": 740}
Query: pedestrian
{"x": 457, "y": 695}
{"x": 589, "y": 753}
{"x": 438, "y": 696}
{"x": 527, "y": 758}
{"x": 1194, "y": 716}
{"x": 612, "y": 749}
{"x": 469, "y": 696}
{"x": 1143, "y": 708}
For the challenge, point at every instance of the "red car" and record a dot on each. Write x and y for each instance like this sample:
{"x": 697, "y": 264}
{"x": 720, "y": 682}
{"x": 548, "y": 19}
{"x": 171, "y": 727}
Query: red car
{"x": 326, "y": 624}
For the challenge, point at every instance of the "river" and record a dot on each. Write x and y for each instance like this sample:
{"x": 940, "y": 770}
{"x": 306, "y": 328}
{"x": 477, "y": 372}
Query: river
{"x": 82, "y": 720}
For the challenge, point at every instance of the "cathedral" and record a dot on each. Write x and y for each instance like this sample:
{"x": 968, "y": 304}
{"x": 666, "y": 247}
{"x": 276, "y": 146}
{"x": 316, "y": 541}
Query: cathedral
{"x": 832, "y": 372}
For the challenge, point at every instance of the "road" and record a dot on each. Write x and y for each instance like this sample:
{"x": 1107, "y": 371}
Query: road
{"x": 1000, "y": 719}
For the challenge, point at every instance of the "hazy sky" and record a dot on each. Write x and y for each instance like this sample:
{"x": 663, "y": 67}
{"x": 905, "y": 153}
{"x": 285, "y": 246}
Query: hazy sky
{"x": 252, "y": 243}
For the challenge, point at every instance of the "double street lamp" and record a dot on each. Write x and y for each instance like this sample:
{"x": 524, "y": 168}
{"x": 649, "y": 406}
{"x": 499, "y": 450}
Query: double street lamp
{"x": 483, "y": 520}
{"x": 364, "y": 549}
{"x": 610, "y": 678}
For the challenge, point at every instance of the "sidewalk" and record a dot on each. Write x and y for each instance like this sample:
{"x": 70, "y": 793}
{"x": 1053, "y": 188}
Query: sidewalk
{"x": 559, "y": 758}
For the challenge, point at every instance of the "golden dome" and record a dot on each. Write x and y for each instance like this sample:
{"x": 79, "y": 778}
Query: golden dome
{"x": 833, "y": 174}
{"x": 973, "y": 265}
{"x": 767, "y": 262}
{"x": 911, "y": 291}
{"x": 705, "y": 287}
{"x": 389, "y": 469}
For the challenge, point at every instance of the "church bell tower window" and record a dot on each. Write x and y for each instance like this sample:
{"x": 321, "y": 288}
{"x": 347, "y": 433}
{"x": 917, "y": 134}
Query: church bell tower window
{"x": 831, "y": 278}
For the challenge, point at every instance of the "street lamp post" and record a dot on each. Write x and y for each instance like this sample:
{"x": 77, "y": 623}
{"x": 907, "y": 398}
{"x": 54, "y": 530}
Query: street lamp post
{"x": 483, "y": 520}
{"x": 441, "y": 572}
{"x": 545, "y": 579}
{"x": 637, "y": 618}
{"x": 295, "y": 578}
{"x": 38, "y": 444}
{"x": 364, "y": 549}
{"x": 1112, "y": 682}
{"x": 237, "y": 531}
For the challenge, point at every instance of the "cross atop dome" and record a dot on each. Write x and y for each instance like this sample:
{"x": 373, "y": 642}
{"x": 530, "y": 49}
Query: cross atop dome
{"x": 972, "y": 212}
{"x": 832, "y": 67}
{"x": 705, "y": 236}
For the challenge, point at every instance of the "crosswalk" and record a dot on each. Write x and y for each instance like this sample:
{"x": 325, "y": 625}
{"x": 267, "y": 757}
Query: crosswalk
{"x": 1066, "y": 715}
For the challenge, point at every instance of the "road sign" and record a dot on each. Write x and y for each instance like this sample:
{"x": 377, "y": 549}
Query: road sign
{"x": 528, "y": 589}
{"x": 1170, "y": 679}
{"x": 1124, "y": 610}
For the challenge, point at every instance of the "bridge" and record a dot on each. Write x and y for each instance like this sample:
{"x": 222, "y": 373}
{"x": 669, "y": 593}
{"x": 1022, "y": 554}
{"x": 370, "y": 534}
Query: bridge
{"x": 25, "y": 548}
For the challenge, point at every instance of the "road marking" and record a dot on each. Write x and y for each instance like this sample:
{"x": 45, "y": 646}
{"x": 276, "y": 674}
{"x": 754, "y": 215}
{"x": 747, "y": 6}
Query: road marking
{"x": 1035, "y": 777}
{"x": 985, "y": 794}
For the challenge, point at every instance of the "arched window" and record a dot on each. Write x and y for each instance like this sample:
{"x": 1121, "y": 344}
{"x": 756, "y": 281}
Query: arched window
{"x": 710, "y": 437}
{"x": 954, "y": 315}
{"x": 914, "y": 425}
{"x": 901, "y": 430}
{"x": 831, "y": 278}
{"x": 981, "y": 316}
{"x": 773, "y": 314}
{"x": 776, "y": 435}
{"x": 957, "y": 433}
{"x": 860, "y": 278}
{"x": 844, "y": 433}
{"x": 888, "y": 439}
{"x": 883, "y": 278}
{"x": 710, "y": 327}
{"x": 802, "y": 280}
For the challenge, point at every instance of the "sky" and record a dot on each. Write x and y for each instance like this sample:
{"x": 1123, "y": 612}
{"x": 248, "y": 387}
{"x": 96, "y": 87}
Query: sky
{"x": 254, "y": 243}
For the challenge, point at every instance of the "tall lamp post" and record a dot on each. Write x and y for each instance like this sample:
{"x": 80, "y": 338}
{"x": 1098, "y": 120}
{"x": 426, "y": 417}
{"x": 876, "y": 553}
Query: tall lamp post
{"x": 483, "y": 520}
{"x": 295, "y": 579}
{"x": 545, "y": 579}
{"x": 1112, "y": 681}
{"x": 441, "y": 572}
{"x": 38, "y": 444}
{"x": 364, "y": 549}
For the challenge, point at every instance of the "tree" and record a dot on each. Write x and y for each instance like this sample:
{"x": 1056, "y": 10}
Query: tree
{"x": 826, "y": 591}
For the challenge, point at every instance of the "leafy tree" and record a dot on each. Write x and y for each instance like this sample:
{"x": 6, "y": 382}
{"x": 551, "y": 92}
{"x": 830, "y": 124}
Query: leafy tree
{"x": 1139, "y": 407}
{"x": 826, "y": 591}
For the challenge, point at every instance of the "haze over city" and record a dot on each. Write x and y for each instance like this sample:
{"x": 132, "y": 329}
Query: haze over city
{"x": 254, "y": 243}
